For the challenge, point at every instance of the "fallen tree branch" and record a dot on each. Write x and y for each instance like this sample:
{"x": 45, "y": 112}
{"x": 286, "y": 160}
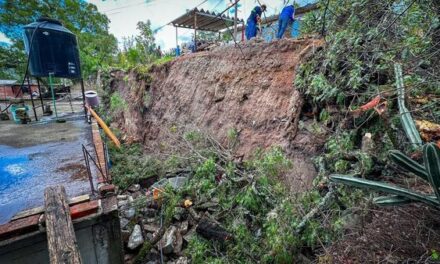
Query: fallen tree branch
{"x": 324, "y": 203}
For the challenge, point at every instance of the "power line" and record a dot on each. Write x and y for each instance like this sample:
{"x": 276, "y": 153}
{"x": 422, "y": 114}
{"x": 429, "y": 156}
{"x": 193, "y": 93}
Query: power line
{"x": 127, "y": 6}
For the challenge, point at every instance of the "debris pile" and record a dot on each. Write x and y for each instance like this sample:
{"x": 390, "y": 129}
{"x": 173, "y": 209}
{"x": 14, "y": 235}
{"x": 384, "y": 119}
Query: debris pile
{"x": 140, "y": 223}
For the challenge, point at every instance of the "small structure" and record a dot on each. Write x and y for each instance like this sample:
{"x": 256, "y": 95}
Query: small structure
{"x": 203, "y": 20}
{"x": 10, "y": 89}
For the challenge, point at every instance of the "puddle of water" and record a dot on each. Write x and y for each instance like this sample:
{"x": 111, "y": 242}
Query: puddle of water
{"x": 26, "y": 172}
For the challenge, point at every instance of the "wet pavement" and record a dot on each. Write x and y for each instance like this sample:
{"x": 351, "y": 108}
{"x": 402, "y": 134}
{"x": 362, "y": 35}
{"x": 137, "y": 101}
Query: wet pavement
{"x": 35, "y": 156}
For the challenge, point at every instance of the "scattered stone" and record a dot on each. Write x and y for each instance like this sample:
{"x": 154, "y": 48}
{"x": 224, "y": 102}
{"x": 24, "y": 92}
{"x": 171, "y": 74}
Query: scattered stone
{"x": 207, "y": 205}
{"x": 183, "y": 228}
{"x": 136, "y": 195}
{"x": 134, "y": 188}
{"x": 189, "y": 235}
{"x": 130, "y": 199}
{"x": 136, "y": 239}
{"x": 149, "y": 212}
{"x": 177, "y": 182}
{"x": 122, "y": 203}
{"x": 149, "y": 236}
{"x": 178, "y": 244}
{"x": 124, "y": 222}
{"x": 179, "y": 213}
{"x": 129, "y": 213}
{"x": 168, "y": 240}
{"x": 182, "y": 260}
{"x": 122, "y": 197}
{"x": 148, "y": 220}
{"x": 151, "y": 228}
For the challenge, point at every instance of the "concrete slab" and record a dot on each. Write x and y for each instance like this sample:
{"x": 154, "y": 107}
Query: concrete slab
{"x": 38, "y": 155}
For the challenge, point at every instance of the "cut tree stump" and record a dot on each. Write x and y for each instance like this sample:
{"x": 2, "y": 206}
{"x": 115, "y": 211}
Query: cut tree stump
{"x": 61, "y": 240}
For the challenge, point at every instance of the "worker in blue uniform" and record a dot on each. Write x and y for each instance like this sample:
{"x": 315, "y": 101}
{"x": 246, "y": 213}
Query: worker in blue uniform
{"x": 254, "y": 18}
{"x": 287, "y": 16}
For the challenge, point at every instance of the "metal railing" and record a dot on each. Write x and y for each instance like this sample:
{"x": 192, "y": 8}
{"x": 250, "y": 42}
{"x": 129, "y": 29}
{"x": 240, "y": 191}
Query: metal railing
{"x": 87, "y": 158}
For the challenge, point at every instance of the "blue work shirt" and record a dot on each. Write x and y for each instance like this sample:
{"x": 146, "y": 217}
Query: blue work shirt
{"x": 287, "y": 12}
{"x": 256, "y": 12}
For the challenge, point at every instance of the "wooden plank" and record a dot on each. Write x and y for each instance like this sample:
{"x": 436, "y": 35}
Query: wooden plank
{"x": 40, "y": 209}
{"x": 61, "y": 240}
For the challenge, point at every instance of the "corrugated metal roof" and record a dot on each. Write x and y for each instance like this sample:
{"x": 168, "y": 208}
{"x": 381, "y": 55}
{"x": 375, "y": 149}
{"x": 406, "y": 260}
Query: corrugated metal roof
{"x": 7, "y": 82}
{"x": 207, "y": 21}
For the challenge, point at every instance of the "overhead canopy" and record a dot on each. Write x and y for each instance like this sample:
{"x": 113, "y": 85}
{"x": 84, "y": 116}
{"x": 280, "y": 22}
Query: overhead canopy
{"x": 204, "y": 20}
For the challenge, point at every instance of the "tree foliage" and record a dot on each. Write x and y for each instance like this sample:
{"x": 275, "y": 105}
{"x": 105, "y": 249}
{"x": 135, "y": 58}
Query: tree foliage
{"x": 139, "y": 49}
{"x": 91, "y": 28}
{"x": 363, "y": 41}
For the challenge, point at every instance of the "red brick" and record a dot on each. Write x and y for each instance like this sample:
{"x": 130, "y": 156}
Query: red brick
{"x": 84, "y": 209}
{"x": 19, "y": 226}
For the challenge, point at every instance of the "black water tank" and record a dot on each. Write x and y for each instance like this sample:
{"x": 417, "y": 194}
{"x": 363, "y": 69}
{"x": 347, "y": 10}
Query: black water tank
{"x": 54, "y": 49}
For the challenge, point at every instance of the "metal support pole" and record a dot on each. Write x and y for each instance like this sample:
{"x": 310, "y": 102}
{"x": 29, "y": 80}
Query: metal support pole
{"x": 177, "y": 38}
{"x": 32, "y": 98}
{"x": 235, "y": 19}
{"x": 53, "y": 95}
{"x": 41, "y": 95}
{"x": 195, "y": 31}
{"x": 84, "y": 98}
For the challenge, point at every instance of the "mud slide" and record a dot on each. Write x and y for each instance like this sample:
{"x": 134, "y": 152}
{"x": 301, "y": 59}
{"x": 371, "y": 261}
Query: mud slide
{"x": 248, "y": 90}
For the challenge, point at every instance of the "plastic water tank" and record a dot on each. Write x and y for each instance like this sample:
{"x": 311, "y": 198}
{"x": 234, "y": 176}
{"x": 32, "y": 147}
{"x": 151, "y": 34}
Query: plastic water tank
{"x": 92, "y": 98}
{"x": 53, "y": 49}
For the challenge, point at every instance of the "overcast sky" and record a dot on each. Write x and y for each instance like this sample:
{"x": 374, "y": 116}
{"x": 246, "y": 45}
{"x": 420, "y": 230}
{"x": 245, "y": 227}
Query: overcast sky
{"x": 124, "y": 14}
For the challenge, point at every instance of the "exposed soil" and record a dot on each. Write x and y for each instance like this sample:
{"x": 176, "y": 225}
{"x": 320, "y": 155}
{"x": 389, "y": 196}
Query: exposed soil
{"x": 78, "y": 171}
{"x": 250, "y": 91}
{"x": 405, "y": 234}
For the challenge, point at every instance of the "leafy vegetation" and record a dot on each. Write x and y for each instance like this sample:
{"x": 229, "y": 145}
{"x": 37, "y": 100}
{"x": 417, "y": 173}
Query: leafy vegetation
{"x": 253, "y": 204}
{"x": 97, "y": 45}
{"x": 430, "y": 173}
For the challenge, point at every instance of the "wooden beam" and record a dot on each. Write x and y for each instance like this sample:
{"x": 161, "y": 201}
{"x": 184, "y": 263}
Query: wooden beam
{"x": 61, "y": 240}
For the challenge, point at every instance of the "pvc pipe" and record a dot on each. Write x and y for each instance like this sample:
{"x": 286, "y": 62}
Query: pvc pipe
{"x": 106, "y": 129}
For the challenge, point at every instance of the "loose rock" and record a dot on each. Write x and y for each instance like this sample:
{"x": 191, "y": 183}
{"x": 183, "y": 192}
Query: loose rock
{"x": 136, "y": 239}
{"x": 168, "y": 240}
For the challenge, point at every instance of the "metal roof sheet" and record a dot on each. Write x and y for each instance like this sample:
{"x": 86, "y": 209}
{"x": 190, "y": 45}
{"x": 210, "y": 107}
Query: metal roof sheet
{"x": 8, "y": 82}
{"x": 207, "y": 21}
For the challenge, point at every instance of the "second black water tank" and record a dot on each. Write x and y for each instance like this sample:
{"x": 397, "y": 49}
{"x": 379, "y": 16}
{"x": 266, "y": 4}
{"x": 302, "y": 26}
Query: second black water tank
{"x": 54, "y": 49}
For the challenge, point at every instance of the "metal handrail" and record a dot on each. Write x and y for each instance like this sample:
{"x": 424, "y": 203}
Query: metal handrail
{"x": 87, "y": 158}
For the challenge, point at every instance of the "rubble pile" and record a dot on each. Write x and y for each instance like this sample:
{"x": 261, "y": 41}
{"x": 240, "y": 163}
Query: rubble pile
{"x": 145, "y": 222}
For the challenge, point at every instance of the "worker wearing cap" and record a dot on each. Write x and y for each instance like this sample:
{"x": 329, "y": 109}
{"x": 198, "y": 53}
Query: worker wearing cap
{"x": 254, "y": 18}
{"x": 287, "y": 16}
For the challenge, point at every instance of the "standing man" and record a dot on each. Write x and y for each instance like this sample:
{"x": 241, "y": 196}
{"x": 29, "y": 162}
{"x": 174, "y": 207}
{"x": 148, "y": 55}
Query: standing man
{"x": 254, "y": 18}
{"x": 287, "y": 16}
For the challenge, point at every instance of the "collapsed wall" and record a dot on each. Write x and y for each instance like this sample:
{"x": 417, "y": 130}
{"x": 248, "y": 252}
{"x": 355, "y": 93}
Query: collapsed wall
{"x": 248, "y": 90}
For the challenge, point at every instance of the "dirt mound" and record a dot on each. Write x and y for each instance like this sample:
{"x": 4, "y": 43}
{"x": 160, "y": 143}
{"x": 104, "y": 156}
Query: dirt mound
{"x": 246, "y": 91}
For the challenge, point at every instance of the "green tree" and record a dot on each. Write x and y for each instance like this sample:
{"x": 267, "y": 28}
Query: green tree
{"x": 97, "y": 45}
{"x": 139, "y": 49}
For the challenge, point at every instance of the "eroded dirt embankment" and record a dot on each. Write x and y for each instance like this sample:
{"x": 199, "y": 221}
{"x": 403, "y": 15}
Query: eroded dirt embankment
{"x": 248, "y": 90}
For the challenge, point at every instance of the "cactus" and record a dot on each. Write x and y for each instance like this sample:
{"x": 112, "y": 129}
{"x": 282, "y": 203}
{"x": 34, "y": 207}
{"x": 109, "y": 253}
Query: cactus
{"x": 385, "y": 187}
{"x": 408, "y": 164}
{"x": 405, "y": 116}
{"x": 431, "y": 157}
{"x": 430, "y": 172}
